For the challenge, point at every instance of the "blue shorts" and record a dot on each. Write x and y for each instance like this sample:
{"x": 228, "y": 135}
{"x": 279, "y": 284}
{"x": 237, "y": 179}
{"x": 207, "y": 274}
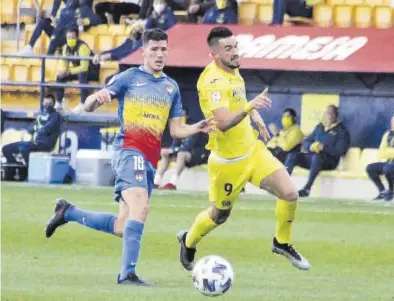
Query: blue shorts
{"x": 131, "y": 170}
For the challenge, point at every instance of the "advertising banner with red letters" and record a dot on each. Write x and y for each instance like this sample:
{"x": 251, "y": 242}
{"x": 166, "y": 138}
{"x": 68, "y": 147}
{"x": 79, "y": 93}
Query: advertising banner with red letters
{"x": 287, "y": 48}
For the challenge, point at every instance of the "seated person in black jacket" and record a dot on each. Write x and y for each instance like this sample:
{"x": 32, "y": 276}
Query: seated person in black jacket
{"x": 45, "y": 132}
{"x": 324, "y": 148}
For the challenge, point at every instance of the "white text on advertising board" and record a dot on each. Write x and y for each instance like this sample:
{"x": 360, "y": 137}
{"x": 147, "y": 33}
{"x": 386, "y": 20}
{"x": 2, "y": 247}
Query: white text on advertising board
{"x": 299, "y": 47}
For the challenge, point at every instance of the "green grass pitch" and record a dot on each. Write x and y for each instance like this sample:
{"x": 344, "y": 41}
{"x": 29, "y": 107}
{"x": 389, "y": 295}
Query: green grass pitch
{"x": 349, "y": 244}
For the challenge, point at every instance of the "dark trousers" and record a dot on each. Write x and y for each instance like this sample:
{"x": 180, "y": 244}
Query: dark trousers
{"x": 44, "y": 25}
{"x": 314, "y": 162}
{"x": 83, "y": 78}
{"x": 58, "y": 39}
{"x": 18, "y": 152}
{"x": 375, "y": 170}
{"x": 116, "y": 10}
{"x": 294, "y": 8}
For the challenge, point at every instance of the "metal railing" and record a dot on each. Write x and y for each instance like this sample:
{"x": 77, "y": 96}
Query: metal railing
{"x": 43, "y": 83}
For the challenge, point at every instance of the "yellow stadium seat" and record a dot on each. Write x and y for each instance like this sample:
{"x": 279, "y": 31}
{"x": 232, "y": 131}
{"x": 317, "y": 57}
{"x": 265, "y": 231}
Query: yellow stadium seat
{"x": 352, "y": 159}
{"x": 373, "y": 2}
{"x": 354, "y": 2}
{"x": 11, "y": 136}
{"x": 343, "y": 16}
{"x": 104, "y": 73}
{"x": 382, "y": 16}
{"x": 368, "y": 156}
{"x": 89, "y": 39}
{"x": 21, "y": 73}
{"x": 323, "y": 15}
{"x": 35, "y": 76}
{"x": 51, "y": 70}
{"x": 118, "y": 40}
{"x": 6, "y": 71}
{"x": 247, "y": 13}
{"x": 8, "y": 11}
{"x": 363, "y": 16}
{"x": 105, "y": 42}
{"x": 335, "y": 2}
{"x": 263, "y": 1}
{"x": 387, "y": 3}
{"x": 99, "y": 29}
{"x": 265, "y": 13}
{"x": 117, "y": 29}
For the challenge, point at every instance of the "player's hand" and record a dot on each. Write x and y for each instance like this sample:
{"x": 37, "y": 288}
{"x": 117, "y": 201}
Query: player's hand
{"x": 206, "y": 126}
{"x": 96, "y": 59}
{"x": 264, "y": 132}
{"x": 103, "y": 96}
{"x": 261, "y": 101}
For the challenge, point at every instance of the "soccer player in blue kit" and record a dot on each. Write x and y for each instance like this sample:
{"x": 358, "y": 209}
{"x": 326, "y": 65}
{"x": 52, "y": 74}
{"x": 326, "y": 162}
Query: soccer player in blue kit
{"x": 147, "y": 99}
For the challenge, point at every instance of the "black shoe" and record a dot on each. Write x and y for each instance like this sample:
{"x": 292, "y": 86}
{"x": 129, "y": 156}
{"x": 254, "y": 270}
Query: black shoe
{"x": 58, "y": 219}
{"x": 388, "y": 195}
{"x": 290, "y": 253}
{"x": 380, "y": 196}
{"x": 186, "y": 254}
{"x": 133, "y": 279}
{"x": 303, "y": 193}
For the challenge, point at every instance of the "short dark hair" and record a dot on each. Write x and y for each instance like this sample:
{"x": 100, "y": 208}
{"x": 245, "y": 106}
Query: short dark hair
{"x": 73, "y": 29}
{"x": 335, "y": 109}
{"x": 50, "y": 96}
{"x": 291, "y": 112}
{"x": 218, "y": 33}
{"x": 154, "y": 34}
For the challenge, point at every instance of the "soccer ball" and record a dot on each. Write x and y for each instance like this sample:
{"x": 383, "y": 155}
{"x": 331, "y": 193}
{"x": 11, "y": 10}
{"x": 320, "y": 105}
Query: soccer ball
{"x": 213, "y": 275}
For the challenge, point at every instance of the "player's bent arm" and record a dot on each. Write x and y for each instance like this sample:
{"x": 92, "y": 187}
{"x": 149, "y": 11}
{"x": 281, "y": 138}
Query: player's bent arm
{"x": 225, "y": 119}
{"x": 180, "y": 130}
{"x": 94, "y": 101}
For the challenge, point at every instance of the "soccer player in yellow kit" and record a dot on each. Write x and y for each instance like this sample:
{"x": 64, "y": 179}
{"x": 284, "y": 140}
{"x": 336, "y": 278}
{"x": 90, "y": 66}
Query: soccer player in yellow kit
{"x": 237, "y": 156}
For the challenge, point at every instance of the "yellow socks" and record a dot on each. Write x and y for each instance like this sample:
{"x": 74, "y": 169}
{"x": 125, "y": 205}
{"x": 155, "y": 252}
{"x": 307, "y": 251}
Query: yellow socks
{"x": 202, "y": 225}
{"x": 285, "y": 214}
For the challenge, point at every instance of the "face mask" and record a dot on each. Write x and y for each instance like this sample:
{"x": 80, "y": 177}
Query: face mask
{"x": 159, "y": 8}
{"x": 71, "y": 43}
{"x": 287, "y": 121}
{"x": 221, "y": 4}
{"x": 48, "y": 108}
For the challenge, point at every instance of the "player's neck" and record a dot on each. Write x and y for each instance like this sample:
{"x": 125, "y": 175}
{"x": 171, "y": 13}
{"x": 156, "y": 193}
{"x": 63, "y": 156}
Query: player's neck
{"x": 225, "y": 68}
{"x": 155, "y": 73}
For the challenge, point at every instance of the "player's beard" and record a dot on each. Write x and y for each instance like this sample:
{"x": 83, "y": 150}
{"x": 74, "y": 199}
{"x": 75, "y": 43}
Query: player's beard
{"x": 232, "y": 64}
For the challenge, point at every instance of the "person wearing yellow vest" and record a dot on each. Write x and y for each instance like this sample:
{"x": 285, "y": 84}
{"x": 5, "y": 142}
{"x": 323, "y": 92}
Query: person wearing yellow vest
{"x": 81, "y": 70}
{"x": 289, "y": 138}
{"x": 375, "y": 170}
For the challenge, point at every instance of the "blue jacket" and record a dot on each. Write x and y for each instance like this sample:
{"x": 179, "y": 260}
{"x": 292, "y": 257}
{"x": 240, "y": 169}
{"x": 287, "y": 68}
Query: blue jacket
{"x": 85, "y": 11}
{"x": 163, "y": 21}
{"x": 220, "y": 16}
{"x": 336, "y": 140}
{"x": 46, "y": 129}
{"x": 124, "y": 49}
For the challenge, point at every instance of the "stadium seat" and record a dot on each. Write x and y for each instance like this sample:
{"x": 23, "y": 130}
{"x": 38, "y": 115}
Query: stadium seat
{"x": 104, "y": 42}
{"x": 118, "y": 40}
{"x": 343, "y": 16}
{"x": 263, "y": 1}
{"x": 351, "y": 160}
{"x": 368, "y": 156}
{"x": 117, "y": 29}
{"x": 89, "y": 39}
{"x": 104, "y": 73}
{"x": 8, "y": 12}
{"x": 247, "y": 13}
{"x": 354, "y": 2}
{"x": 363, "y": 16}
{"x": 382, "y": 16}
{"x": 323, "y": 15}
{"x": 373, "y": 2}
{"x": 265, "y": 13}
{"x": 6, "y": 71}
{"x": 335, "y": 2}
{"x": 99, "y": 29}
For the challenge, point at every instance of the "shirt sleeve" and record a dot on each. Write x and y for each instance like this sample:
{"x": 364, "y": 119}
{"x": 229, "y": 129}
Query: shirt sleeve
{"x": 118, "y": 84}
{"x": 176, "y": 108}
{"x": 217, "y": 93}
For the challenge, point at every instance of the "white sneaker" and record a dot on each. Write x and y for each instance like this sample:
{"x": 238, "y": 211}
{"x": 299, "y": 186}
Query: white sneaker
{"x": 27, "y": 50}
{"x": 291, "y": 254}
{"x": 78, "y": 109}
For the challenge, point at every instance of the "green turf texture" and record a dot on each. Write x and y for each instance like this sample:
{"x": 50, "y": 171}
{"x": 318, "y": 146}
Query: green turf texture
{"x": 349, "y": 244}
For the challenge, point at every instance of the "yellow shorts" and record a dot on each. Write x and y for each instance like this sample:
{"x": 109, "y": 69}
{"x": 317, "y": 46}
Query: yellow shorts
{"x": 228, "y": 177}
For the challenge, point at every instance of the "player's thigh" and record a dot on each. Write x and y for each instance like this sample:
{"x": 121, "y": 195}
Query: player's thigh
{"x": 226, "y": 182}
{"x": 270, "y": 174}
{"x": 133, "y": 177}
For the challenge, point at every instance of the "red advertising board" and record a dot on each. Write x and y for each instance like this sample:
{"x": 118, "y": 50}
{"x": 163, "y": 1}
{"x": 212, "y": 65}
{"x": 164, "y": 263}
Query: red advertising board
{"x": 287, "y": 48}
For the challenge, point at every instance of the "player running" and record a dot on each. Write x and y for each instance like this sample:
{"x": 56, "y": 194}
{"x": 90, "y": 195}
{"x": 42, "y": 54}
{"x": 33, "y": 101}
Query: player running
{"x": 237, "y": 156}
{"x": 147, "y": 99}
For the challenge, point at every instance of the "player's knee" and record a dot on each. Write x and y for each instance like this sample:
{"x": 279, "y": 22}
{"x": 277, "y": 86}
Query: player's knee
{"x": 290, "y": 195}
{"x": 219, "y": 216}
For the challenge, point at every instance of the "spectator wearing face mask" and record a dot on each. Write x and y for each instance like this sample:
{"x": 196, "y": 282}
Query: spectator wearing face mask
{"x": 81, "y": 70}
{"x": 221, "y": 13}
{"x": 161, "y": 17}
{"x": 288, "y": 139}
{"x": 45, "y": 132}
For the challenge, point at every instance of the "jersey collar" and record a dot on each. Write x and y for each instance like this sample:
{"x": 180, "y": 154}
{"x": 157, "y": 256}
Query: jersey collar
{"x": 142, "y": 68}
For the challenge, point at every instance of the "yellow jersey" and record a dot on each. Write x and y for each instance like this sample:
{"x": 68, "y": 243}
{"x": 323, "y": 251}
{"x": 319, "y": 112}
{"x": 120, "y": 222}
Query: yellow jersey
{"x": 220, "y": 89}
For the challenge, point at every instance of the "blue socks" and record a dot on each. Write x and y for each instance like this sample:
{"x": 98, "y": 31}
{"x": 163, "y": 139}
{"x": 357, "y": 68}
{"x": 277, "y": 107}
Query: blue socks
{"x": 99, "y": 221}
{"x": 131, "y": 247}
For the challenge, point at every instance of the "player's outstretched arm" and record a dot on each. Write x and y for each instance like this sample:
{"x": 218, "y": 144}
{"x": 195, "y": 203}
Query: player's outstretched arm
{"x": 258, "y": 120}
{"x": 94, "y": 101}
{"x": 180, "y": 130}
{"x": 225, "y": 119}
